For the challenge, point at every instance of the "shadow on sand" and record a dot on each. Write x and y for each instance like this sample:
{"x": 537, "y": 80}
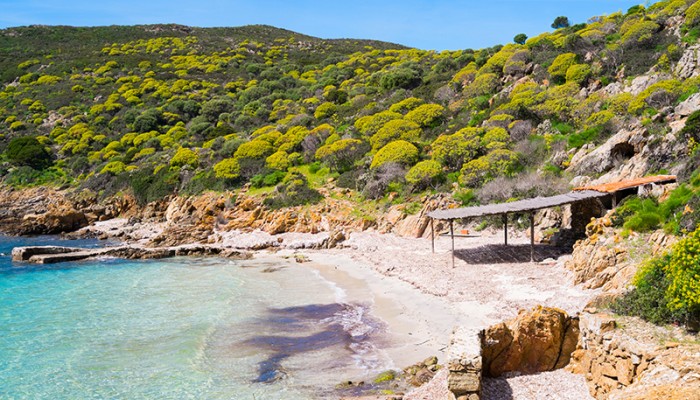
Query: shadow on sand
{"x": 502, "y": 254}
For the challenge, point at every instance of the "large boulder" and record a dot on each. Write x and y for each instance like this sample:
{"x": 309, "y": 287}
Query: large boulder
{"x": 538, "y": 340}
{"x": 58, "y": 220}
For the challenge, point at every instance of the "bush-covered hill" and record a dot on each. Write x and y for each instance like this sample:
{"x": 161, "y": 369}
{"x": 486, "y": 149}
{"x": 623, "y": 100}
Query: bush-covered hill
{"x": 170, "y": 109}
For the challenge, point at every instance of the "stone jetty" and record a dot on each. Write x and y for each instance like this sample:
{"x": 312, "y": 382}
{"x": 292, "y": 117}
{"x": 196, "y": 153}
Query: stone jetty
{"x": 57, "y": 254}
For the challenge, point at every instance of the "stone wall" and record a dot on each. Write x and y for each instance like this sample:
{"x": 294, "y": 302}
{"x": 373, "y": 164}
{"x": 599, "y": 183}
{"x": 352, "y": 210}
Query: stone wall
{"x": 464, "y": 365}
{"x": 464, "y": 379}
{"x": 618, "y": 366}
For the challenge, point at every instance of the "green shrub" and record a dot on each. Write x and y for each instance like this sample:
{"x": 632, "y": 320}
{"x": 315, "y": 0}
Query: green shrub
{"x": 584, "y": 137}
{"x": 405, "y": 78}
{"x": 27, "y": 151}
{"x": 342, "y": 154}
{"x": 561, "y": 65}
{"x": 425, "y": 174}
{"x": 203, "y": 181}
{"x": 394, "y": 130}
{"x": 427, "y": 115}
{"x": 293, "y": 191}
{"x": 643, "y": 221}
{"x": 578, "y": 73}
{"x": 149, "y": 186}
{"x": 400, "y": 152}
{"x": 640, "y": 215}
{"x": 465, "y": 197}
{"x": 675, "y": 212}
{"x": 648, "y": 299}
{"x": 270, "y": 179}
{"x": 26, "y": 176}
{"x": 228, "y": 168}
{"x": 667, "y": 288}
{"x": 185, "y": 157}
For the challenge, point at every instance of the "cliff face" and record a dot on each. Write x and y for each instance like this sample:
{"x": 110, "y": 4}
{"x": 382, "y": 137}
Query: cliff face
{"x": 45, "y": 210}
{"x": 179, "y": 220}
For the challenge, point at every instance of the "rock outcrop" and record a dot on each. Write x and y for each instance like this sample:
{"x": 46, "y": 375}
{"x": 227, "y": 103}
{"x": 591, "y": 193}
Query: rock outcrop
{"x": 689, "y": 63}
{"x": 614, "y": 152}
{"x": 44, "y": 210}
{"x": 606, "y": 260}
{"x": 535, "y": 341}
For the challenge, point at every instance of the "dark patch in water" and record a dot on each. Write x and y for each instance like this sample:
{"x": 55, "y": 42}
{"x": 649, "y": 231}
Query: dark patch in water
{"x": 271, "y": 370}
{"x": 318, "y": 327}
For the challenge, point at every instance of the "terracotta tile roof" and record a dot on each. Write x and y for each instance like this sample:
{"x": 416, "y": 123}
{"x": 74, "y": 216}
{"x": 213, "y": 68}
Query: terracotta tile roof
{"x": 629, "y": 184}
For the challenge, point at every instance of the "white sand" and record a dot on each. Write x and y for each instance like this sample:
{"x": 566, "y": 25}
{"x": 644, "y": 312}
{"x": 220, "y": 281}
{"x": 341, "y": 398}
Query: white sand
{"x": 422, "y": 298}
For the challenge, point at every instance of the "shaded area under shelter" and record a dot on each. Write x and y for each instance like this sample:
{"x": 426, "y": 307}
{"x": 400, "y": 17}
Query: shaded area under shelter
{"x": 586, "y": 202}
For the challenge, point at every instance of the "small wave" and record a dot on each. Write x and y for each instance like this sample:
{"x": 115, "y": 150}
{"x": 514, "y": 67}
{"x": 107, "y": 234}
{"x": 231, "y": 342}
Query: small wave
{"x": 341, "y": 296}
{"x": 358, "y": 324}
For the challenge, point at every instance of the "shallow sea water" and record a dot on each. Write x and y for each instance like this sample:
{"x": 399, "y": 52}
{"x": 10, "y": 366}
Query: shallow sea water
{"x": 183, "y": 328}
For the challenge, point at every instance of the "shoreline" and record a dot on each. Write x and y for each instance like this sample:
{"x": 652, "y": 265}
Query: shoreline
{"x": 419, "y": 325}
{"x": 421, "y": 297}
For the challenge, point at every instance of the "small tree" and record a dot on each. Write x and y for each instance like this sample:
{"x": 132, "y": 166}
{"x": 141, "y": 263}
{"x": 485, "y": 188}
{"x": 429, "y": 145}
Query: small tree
{"x": 560, "y": 22}
{"x": 27, "y": 151}
{"x": 340, "y": 155}
{"x": 520, "y": 38}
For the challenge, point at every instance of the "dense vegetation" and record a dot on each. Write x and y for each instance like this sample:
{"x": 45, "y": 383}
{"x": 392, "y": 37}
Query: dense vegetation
{"x": 171, "y": 109}
{"x": 667, "y": 288}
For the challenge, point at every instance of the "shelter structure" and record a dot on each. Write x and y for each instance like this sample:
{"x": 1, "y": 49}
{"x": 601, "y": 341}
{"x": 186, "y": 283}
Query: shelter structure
{"x": 614, "y": 191}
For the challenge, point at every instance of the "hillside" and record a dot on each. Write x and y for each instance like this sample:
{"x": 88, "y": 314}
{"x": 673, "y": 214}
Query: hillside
{"x": 162, "y": 109}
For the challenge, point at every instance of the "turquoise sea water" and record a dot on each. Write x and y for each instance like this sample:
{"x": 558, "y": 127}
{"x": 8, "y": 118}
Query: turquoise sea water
{"x": 185, "y": 328}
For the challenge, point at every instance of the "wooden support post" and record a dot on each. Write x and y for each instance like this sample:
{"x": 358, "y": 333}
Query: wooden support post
{"x": 432, "y": 236}
{"x": 532, "y": 237}
{"x": 452, "y": 235}
{"x": 505, "y": 228}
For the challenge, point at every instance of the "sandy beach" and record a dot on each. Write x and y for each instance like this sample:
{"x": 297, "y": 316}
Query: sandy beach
{"x": 422, "y": 298}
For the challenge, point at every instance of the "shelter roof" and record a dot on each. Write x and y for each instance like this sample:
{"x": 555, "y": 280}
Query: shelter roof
{"x": 629, "y": 184}
{"x": 516, "y": 206}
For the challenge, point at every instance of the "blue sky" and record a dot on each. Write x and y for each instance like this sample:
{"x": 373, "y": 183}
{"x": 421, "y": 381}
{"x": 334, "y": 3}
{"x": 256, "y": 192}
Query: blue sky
{"x": 438, "y": 24}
